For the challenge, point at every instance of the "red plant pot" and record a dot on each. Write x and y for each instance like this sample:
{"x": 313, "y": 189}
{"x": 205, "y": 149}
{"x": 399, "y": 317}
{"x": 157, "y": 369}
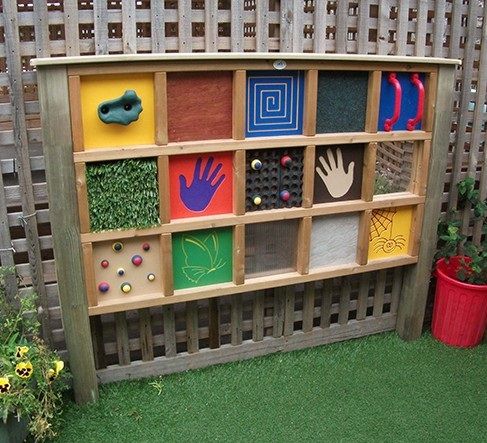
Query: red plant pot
{"x": 460, "y": 310}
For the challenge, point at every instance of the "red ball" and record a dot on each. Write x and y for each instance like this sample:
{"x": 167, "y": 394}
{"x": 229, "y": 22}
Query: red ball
{"x": 286, "y": 161}
{"x": 104, "y": 263}
{"x": 146, "y": 246}
{"x": 137, "y": 260}
{"x": 103, "y": 286}
{"x": 285, "y": 195}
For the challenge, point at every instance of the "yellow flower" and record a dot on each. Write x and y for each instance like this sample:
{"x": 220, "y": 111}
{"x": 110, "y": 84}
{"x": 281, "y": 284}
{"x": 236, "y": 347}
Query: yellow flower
{"x": 53, "y": 373}
{"x": 4, "y": 385}
{"x": 24, "y": 369}
{"x": 21, "y": 351}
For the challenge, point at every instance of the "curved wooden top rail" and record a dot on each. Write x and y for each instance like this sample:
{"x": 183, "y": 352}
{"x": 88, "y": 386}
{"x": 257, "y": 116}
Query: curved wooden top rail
{"x": 240, "y": 56}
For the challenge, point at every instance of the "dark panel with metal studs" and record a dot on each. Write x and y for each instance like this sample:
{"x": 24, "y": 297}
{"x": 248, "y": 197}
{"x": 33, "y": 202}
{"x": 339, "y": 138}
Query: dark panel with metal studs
{"x": 274, "y": 178}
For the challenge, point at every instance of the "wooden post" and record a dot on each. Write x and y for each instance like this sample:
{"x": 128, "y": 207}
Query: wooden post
{"x": 54, "y": 104}
{"x": 414, "y": 292}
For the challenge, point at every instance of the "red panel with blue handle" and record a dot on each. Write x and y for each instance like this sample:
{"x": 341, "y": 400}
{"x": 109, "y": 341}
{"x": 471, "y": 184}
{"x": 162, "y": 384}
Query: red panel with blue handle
{"x": 401, "y": 101}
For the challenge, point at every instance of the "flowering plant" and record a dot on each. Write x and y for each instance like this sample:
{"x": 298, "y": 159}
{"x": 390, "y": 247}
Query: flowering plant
{"x": 31, "y": 375}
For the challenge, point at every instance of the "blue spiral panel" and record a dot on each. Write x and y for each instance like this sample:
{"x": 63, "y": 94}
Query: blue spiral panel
{"x": 409, "y": 102}
{"x": 274, "y": 103}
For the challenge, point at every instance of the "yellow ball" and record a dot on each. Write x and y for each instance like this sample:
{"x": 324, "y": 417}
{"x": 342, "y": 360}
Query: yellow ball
{"x": 257, "y": 200}
{"x": 151, "y": 277}
{"x": 126, "y": 288}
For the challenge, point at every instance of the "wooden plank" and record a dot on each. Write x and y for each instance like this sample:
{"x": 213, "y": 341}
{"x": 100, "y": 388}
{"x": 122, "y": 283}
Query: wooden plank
{"x": 383, "y": 21}
{"x": 236, "y": 320}
{"x": 262, "y": 25}
{"x": 416, "y": 278}
{"x": 71, "y": 26}
{"x": 54, "y": 103}
{"x": 129, "y": 30}
{"x": 145, "y": 334}
{"x": 288, "y": 327}
{"x": 363, "y": 237}
{"x": 402, "y": 27}
{"x": 278, "y": 316}
{"x": 21, "y": 146}
{"x": 310, "y": 102}
{"x": 160, "y": 94}
{"x": 304, "y": 242}
{"x": 167, "y": 274}
{"x": 100, "y": 13}
{"x": 163, "y": 188}
{"x": 96, "y": 327}
{"x": 319, "y": 36}
{"x": 341, "y": 27}
{"x": 158, "y": 27}
{"x": 258, "y": 316}
{"x": 239, "y": 182}
{"x": 76, "y": 113}
{"x": 421, "y": 19}
{"x": 379, "y": 291}
{"x": 208, "y": 146}
{"x": 308, "y": 306}
{"x": 237, "y": 26}
{"x": 239, "y": 254}
{"x": 286, "y": 26}
{"x": 6, "y": 247}
{"x": 430, "y": 98}
{"x": 169, "y": 331}
{"x": 238, "y": 104}
{"x": 213, "y": 323}
{"x": 344, "y": 303}
{"x": 373, "y": 101}
{"x": 368, "y": 175}
{"x": 251, "y": 284}
{"x": 363, "y": 295}
{"x": 308, "y": 176}
{"x": 396, "y": 289}
{"x": 211, "y": 25}
{"x": 415, "y": 235}
{"x": 184, "y": 26}
{"x": 41, "y": 28}
{"x": 82, "y": 197}
{"x": 439, "y": 28}
{"x": 91, "y": 290}
{"x": 248, "y": 350}
{"x": 122, "y": 336}
{"x": 326, "y": 299}
{"x": 192, "y": 338}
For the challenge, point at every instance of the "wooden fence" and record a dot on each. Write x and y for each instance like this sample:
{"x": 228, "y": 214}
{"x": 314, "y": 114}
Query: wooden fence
{"x": 212, "y": 331}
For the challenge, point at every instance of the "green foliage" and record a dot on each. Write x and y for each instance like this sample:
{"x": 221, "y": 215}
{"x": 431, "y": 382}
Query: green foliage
{"x": 31, "y": 375}
{"x": 385, "y": 185}
{"x": 452, "y": 242}
{"x": 123, "y": 194}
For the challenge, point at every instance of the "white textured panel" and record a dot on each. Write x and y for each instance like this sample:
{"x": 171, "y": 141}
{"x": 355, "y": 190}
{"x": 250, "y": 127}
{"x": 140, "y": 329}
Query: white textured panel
{"x": 334, "y": 240}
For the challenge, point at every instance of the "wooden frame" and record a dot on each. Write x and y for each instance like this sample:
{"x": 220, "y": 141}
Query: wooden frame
{"x": 422, "y": 198}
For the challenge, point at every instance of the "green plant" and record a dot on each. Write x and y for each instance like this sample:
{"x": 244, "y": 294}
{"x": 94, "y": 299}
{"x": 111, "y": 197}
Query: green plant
{"x": 452, "y": 242}
{"x": 123, "y": 194}
{"x": 31, "y": 375}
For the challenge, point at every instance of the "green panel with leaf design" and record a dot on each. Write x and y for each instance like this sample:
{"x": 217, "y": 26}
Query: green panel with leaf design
{"x": 202, "y": 258}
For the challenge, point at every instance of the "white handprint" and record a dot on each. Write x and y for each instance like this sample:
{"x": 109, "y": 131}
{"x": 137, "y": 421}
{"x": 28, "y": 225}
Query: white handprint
{"x": 336, "y": 180}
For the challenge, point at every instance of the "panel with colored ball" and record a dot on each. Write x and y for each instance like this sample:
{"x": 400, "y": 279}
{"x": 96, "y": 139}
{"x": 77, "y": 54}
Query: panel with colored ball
{"x": 338, "y": 173}
{"x": 107, "y": 120}
{"x": 202, "y": 258}
{"x": 274, "y": 103}
{"x": 127, "y": 267}
{"x": 201, "y": 184}
{"x": 273, "y": 178}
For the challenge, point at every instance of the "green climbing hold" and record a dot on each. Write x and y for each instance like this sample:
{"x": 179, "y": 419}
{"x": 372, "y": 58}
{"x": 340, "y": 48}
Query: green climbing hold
{"x": 122, "y": 110}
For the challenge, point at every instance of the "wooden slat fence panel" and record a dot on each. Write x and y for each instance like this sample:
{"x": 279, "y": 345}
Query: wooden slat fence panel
{"x": 324, "y": 311}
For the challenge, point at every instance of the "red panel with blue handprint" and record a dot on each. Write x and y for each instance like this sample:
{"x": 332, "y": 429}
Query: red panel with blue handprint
{"x": 201, "y": 184}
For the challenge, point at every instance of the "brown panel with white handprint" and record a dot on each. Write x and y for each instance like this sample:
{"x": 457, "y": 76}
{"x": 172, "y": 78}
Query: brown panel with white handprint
{"x": 338, "y": 173}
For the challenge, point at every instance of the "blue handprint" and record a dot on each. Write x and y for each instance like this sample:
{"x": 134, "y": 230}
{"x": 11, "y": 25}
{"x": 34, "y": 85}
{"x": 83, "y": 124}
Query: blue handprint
{"x": 197, "y": 196}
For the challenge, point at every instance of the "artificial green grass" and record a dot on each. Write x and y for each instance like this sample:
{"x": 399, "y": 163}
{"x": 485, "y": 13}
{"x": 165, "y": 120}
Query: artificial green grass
{"x": 123, "y": 194}
{"x": 377, "y": 388}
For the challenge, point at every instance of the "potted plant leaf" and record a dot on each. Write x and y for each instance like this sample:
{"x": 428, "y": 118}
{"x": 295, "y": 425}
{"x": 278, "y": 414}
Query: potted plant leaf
{"x": 460, "y": 309}
{"x": 31, "y": 375}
